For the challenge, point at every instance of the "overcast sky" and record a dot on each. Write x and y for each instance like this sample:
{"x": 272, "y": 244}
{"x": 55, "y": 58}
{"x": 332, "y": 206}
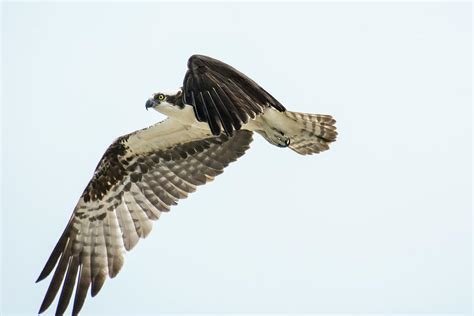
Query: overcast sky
{"x": 379, "y": 223}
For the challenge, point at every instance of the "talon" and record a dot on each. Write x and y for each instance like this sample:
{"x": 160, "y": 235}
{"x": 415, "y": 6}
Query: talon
{"x": 283, "y": 142}
{"x": 276, "y": 137}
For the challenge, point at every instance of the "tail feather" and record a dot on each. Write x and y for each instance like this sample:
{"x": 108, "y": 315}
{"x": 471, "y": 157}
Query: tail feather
{"x": 309, "y": 133}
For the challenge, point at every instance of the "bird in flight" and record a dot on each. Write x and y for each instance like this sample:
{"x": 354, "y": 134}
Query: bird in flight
{"x": 210, "y": 123}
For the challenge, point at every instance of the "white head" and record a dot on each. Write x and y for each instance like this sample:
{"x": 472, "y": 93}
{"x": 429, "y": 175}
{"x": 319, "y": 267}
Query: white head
{"x": 163, "y": 100}
{"x": 168, "y": 103}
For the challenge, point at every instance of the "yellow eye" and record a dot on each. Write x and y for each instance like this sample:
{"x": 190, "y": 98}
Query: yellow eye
{"x": 161, "y": 97}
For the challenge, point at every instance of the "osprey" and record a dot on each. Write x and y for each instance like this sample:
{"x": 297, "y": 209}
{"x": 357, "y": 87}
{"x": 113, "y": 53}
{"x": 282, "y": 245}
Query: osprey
{"x": 210, "y": 124}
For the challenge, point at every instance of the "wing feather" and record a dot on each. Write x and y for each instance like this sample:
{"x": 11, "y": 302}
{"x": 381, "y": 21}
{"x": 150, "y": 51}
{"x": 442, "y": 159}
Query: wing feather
{"x": 178, "y": 185}
{"x": 141, "y": 175}
{"x": 114, "y": 244}
{"x": 236, "y": 95}
{"x": 69, "y": 284}
{"x": 56, "y": 253}
{"x": 140, "y": 214}
{"x": 176, "y": 180}
{"x": 129, "y": 233}
{"x": 210, "y": 114}
{"x": 223, "y": 115}
{"x": 57, "y": 278}
{"x": 97, "y": 282}
{"x": 235, "y": 122}
{"x": 136, "y": 213}
{"x": 99, "y": 259}
{"x": 84, "y": 282}
{"x": 150, "y": 203}
{"x": 228, "y": 97}
{"x": 96, "y": 261}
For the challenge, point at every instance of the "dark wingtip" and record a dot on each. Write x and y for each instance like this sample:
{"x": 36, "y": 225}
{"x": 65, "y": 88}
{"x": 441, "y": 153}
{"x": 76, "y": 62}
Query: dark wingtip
{"x": 43, "y": 307}
{"x": 44, "y": 273}
{"x": 97, "y": 283}
{"x": 55, "y": 254}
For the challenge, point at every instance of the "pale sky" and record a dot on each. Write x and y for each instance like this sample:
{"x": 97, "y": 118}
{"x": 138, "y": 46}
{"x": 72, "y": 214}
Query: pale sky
{"x": 381, "y": 223}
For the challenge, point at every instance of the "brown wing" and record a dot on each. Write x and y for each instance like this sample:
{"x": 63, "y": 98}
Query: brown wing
{"x": 135, "y": 181}
{"x": 222, "y": 96}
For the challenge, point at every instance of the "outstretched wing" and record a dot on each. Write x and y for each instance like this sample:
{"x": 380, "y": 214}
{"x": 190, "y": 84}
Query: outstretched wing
{"x": 140, "y": 175}
{"x": 222, "y": 96}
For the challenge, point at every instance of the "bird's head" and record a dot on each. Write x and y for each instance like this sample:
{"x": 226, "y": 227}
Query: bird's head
{"x": 163, "y": 100}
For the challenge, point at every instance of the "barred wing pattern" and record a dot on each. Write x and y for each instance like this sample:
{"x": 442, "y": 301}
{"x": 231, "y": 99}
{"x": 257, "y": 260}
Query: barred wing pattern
{"x": 222, "y": 96}
{"x": 129, "y": 190}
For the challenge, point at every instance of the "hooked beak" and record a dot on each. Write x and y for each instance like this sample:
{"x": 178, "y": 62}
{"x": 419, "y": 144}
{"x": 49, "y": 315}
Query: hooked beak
{"x": 150, "y": 103}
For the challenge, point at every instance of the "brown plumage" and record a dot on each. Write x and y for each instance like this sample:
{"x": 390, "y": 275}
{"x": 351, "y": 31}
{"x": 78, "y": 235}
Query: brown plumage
{"x": 117, "y": 208}
{"x": 145, "y": 173}
{"x": 222, "y": 96}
